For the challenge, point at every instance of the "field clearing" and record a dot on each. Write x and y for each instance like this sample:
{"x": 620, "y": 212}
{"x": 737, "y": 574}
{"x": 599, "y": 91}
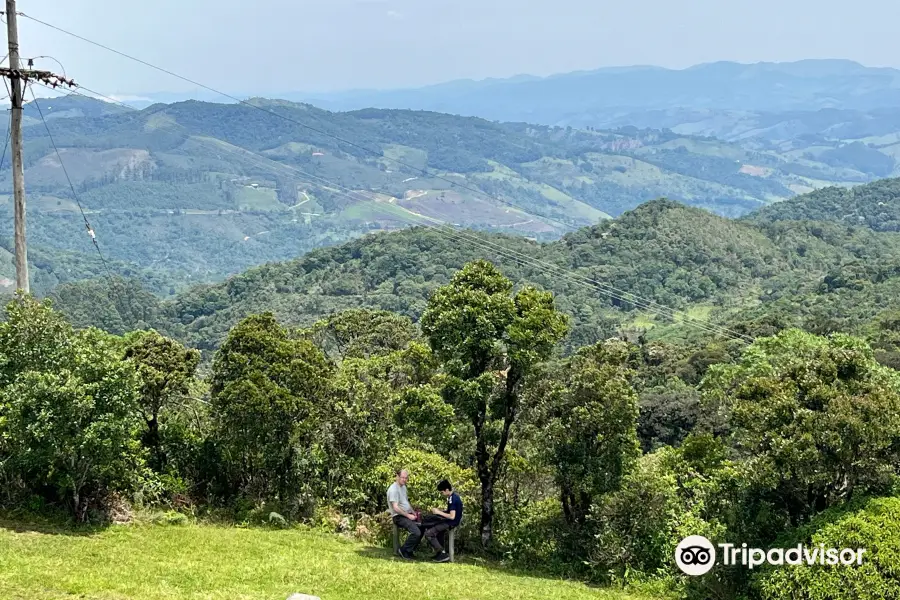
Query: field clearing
{"x": 196, "y": 562}
{"x": 249, "y": 198}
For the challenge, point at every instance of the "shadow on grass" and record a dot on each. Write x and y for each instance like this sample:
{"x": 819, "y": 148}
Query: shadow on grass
{"x": 382, "y": 553}
{"x": 423, "y": 557}
{"x": 378, "y": 553}
{"x": 30, "y": 523}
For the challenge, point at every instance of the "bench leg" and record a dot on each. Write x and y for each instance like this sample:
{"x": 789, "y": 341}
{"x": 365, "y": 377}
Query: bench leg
{"x": 452, "y": 537}
{"x": 396, "y": 537}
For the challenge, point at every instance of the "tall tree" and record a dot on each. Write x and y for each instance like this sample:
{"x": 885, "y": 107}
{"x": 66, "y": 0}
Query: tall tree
{"x": 489, "y": 341}
{"x": 166, "y": 369}
{"x": 592, "y": 425}
{"x": 265, "y": 390}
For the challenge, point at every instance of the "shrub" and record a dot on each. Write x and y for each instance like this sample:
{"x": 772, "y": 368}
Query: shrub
{"x": 636, "y": 528}
{"x": 533, "y": 536}
{"x": 873, "y": 524}
{"x": 68, "y": 406}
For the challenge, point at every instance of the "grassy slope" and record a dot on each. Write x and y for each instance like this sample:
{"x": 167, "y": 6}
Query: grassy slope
{"x": 157, "y": 562}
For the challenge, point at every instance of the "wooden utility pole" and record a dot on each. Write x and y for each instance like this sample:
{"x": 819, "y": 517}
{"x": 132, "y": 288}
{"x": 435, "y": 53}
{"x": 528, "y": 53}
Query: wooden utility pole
{"x": 18, "y": 79}
{"x": 15, "y": 136}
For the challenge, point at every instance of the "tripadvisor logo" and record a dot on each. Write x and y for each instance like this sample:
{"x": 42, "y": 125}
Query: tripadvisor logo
{"x": 696, "y": 555}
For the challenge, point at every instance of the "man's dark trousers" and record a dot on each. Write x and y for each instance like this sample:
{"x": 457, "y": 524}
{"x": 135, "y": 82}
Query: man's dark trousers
{"x": 415, "y": 533}
{"x": 435, "y": 526}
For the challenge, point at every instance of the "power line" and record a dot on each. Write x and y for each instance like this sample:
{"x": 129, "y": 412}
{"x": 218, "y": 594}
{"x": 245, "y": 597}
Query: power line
{"x": 87, "y": 223}
{"x": 518, "y": 257}
{"x": 376, "y": 153}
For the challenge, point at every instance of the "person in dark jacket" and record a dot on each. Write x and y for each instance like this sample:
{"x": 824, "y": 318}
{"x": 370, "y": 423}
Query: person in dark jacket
{"x": 440, "y": 521}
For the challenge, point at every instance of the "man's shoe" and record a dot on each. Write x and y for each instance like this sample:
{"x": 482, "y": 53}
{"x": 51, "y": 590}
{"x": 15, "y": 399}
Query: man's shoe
{"x": 442, "y": 558}
{"x": 405, "y": 555}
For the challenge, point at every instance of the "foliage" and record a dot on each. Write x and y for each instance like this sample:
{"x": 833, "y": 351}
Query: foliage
{"x": 591, "y": 426}
{"x": 752, "y": 277}
{"x": 668, "y": 414}
{"x": 534, "y": 537}
{"x": 489, "y": 342}
{"x": 68, "y": 408}
{"x": 165, "y": 369}
{"x": 663, "y": 499}
{"x": 359, "y": 333}
{"x": 356, "y": 430}
{"x": 872, "y": 524}
{"x": 817, "y": 419}
{"x": 874, "y": 205}
{"x": 265, "y": 388}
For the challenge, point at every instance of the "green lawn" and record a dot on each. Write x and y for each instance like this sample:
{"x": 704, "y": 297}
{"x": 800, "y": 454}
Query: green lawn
{"x": 193, "y": 562}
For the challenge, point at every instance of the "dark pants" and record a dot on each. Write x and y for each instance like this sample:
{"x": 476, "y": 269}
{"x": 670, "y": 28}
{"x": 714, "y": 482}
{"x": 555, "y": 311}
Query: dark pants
{"x": 415, "y": 533}
{"x": 435, "y": 529}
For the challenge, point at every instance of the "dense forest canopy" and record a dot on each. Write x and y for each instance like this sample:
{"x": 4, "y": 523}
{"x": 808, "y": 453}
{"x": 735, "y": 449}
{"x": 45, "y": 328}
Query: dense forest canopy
{"x": 656, "y": 271}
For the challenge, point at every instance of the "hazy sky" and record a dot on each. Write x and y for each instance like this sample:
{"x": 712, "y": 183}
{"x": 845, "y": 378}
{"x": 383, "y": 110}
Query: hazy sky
{"x": 324, "y": 45}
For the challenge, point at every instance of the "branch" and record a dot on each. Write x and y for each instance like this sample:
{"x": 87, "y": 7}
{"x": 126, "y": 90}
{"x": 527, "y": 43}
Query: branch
{"x": 513, "y": 377}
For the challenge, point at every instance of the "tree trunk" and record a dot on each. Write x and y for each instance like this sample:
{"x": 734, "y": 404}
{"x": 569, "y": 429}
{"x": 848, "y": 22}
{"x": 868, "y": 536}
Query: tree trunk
{"x": 153, "y": 442}
{"x": 487, "y": 514}
{"x": 564, "y": 498}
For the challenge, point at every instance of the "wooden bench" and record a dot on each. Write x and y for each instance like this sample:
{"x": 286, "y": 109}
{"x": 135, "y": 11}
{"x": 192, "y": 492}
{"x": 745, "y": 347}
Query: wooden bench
{"x": 451, "y": 538}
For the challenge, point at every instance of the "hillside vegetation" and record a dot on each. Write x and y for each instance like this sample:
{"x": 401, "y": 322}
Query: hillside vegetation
{"x": 197, "y": 191}
{"x": 876, "y": 206}
{"x": 656, "y": 270}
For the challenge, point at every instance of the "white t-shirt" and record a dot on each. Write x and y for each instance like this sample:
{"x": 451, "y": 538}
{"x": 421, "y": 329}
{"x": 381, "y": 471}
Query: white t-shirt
{"x": 397, "y": 493}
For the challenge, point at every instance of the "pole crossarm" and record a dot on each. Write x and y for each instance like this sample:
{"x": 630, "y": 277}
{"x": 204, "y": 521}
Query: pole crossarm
{"x": 45, "y": 77}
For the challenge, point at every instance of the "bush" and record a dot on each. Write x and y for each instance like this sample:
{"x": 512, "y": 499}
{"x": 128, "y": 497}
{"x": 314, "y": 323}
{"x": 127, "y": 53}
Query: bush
{"x": 68, "y": 406}
{"x": 534, "y": 537}
{"x": 635, "y": 529}
{"x": 873, "y": 524}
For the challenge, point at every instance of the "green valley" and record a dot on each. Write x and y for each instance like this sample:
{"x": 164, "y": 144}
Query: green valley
{"x": 194, "y": 191}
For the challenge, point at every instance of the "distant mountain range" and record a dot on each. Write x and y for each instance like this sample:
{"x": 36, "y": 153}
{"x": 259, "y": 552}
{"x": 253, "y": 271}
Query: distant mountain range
{"x": 761, "y": 102}
{"x": 566, "y": 99}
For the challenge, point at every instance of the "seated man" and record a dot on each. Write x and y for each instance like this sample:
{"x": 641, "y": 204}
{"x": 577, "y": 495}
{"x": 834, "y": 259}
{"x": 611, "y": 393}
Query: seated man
{"x": 438, "y": 523}
{"x": 403, "y": 515}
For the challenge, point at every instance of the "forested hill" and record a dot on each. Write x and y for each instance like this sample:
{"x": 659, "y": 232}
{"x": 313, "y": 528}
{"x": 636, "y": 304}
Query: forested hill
{"x": 875, "y": 205}
{"x": 198, "y": 191}
{"x": 751, "y": 276}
